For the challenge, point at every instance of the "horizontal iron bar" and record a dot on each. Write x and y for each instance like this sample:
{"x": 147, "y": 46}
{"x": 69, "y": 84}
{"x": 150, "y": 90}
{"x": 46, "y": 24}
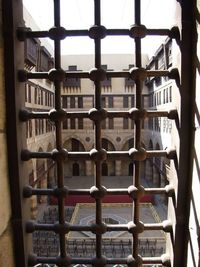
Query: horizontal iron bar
{"x": 151, "y": 260}
{"x": 108, "y": 74}
{"x": 26, "y": 115}
{"x": 85, "y": 32}
{"x": 110, "y": 155}
{"x": 56, "y": 260}
{"x": 89, "y": 228}
{"x": 29, "y": 191}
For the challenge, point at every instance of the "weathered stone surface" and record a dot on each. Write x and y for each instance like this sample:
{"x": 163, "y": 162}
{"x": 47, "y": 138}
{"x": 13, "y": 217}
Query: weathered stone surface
{"x": 6, "y": 249}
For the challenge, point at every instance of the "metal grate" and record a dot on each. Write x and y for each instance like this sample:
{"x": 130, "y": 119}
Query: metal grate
{"x": 98, "y": 154}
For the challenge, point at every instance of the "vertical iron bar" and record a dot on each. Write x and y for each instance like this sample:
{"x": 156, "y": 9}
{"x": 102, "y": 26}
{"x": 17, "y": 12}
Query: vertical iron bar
{"x": 98, "y": 141}
{"x": 136, "y": 178}
{"x": 60, "y": 173}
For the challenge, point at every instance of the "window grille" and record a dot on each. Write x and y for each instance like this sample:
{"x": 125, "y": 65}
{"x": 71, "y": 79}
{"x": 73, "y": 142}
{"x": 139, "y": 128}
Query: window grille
{"x": 12, "y": 14}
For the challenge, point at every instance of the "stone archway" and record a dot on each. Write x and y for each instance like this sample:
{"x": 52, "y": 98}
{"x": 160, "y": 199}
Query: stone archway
{"x": 108, "y": 167}
{"x": 74, "y": 168}
{"x": 127, "y": 167}
{"x": 41, "y": 181}
{"x": 157, "y": 169}
{"x": 50, "y": 166}
{"x": 143, "y": 165}
{"x": 149, "y": 166}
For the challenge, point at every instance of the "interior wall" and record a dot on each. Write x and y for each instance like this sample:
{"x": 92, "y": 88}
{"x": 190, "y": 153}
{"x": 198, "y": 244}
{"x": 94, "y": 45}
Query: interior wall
{"x": 6, "y": 249}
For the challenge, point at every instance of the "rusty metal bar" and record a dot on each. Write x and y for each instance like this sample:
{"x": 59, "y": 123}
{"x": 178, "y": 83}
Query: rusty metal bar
{"x": 137, "y": 139}
{"x": 25, "y": 114}
{"x": 31, "y": 227}
{"x": 97, "y": 126}
{"x": 133, "y": 154}
{"x": 29, "y": 191}
{"x": 58, "y": 129}
{"x": 24, "y": 33}
{"x": 145, "y": 260}
{"x": 25, "y": 75}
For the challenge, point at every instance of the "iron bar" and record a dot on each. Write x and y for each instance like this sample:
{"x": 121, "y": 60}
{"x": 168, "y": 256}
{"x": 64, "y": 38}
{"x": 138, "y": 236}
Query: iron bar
{"x": 87, "y": 75}
{"x": 87, "y": 228}
{"x": 84, "y": 32}
{"x": 137, "y": 139}
{"x": 97, "y": 126}
{"x": 26, "y": 114}
{"x": 58, "y": 124}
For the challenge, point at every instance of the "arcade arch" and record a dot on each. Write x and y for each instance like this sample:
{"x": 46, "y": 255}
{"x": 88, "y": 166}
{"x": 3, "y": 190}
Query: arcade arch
{"x": 41, "y": 181}
{"x": 157, "y": 169}
{"x": 149, "y": 166}
{"x": 74, "y": 168}
{"x": 108, "y": 167}
{"x": 127, "y": 167}
{"x": 51, "y": 175}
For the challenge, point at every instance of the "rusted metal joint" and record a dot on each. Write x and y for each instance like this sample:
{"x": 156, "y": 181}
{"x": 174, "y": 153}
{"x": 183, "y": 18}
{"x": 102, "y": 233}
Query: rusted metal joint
{"x": 173, "y": 74}
{"x": 56, "y": 75}
{"x": 97, "y": 32}
{"x": 98, "y": 229}
{"x": 173, "y": 114}
{"x": 165, "y": 258}
{"x": 136, "y": 193}
{"x": 61, "y": 192}
{"x": 135, "y": 228}
{"x": 167, "y": 226}
{"x": 27, "y": 191}
{"x": 25, "y": 155}
{"x": 32, "y": 259}
{"x": 175, "y": 34}
{"x": 22, "y": 33}
{"x": 97, "y": 115}
{"x": 98, "y": 155}
{"x": 138, "y": 73}
{"x": 57, "y": 115}
{"x": 57, "y": 33}
{"x": 59, "y": 155}
{"x": 63, "y": 261}
{"x": 24, "y": 114}
{"x": 138, "y": 155}
{"x": 136, "y": 114}
{"x": 134, "y": 262}
{"x": 61, "y": 228}
{"x": 22, "y": 75}
{"x": 169, "y": 190}
{"x": 171, "y": 153}
{"x": 99, "y": 262}
{"x": 98, "y": 193}
{"x": 30, "y": 226}
{"x": 137, "y": 31}
{"x": 97, "y": 74}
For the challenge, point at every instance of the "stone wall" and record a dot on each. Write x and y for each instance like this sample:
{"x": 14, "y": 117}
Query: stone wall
{"x": 6, "y": 249}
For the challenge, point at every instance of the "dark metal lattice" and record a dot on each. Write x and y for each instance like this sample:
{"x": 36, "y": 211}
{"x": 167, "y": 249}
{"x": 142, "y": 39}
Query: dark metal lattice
{"x": 59, "y": 154}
